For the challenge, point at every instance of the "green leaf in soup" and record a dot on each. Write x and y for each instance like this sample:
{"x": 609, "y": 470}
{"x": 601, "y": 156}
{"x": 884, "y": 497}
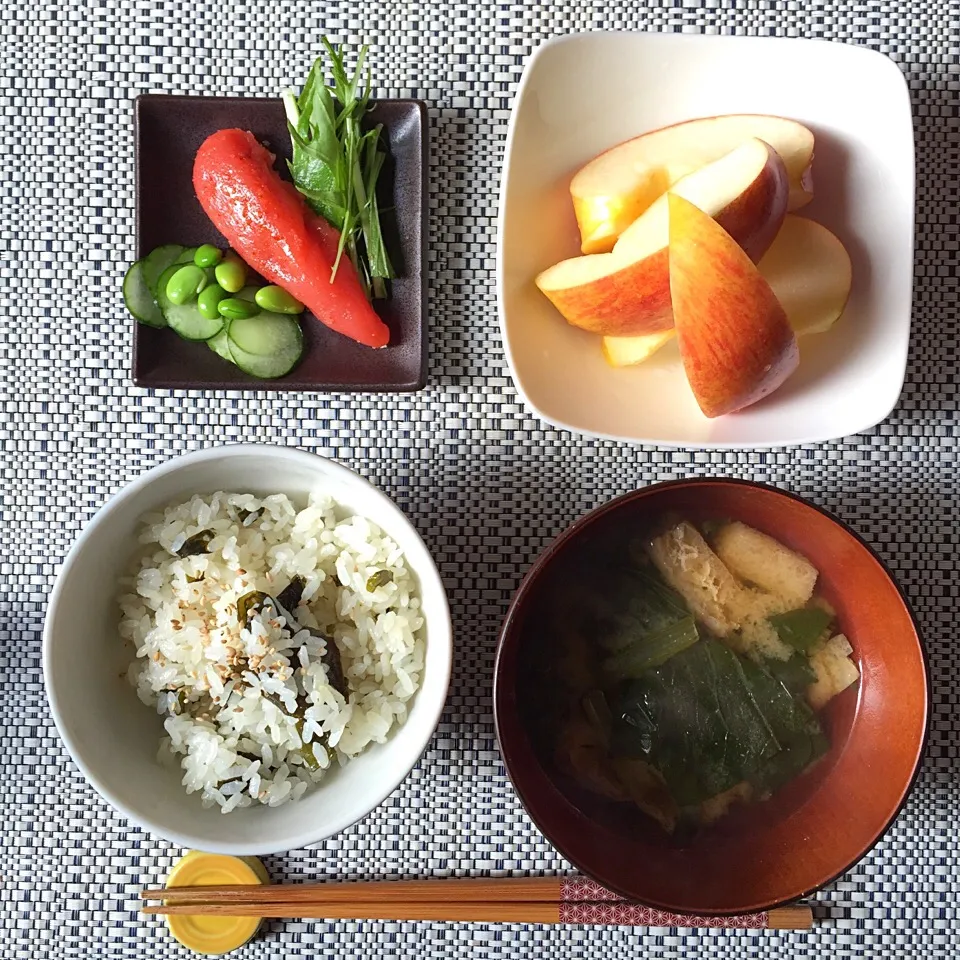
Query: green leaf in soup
{"x": 652, "y": 649}
{"x": 676, "y": 711}
{"x": 752, "y": 734}
{"x": 795, "y": 674}
{"x": 630, "y": 604}
{"x": 802, "y": 628}
{"x": 794, "y": 724}
{"x": 790, "y": 762}
{"x": 698, "y": 721}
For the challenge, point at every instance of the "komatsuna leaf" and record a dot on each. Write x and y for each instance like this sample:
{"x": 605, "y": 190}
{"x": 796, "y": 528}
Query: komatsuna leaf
{"x": 802, "y": 628}
{"x": 709, "y": 719}
{"x": 794, "y": 724}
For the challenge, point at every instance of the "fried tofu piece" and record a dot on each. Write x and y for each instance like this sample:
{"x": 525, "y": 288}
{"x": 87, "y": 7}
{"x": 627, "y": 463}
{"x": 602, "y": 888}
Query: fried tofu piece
{"x": 735, "y": 613}
{"x": 687, "y": 563}
{"x": 834, "y": 669}
{"x": 753, "y": 556}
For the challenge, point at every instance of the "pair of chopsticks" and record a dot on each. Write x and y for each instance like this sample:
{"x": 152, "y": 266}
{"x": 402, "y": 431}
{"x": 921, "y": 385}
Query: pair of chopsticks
{"x": 484, "y": 900}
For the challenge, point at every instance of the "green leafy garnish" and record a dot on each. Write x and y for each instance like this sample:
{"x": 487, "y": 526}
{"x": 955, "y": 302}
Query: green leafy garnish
{"x": 652, "y": 650}
{"x": 379, "y": 579}
{"x": 801, "y": 628}
{"x": 196, "y": 545}
{"x": 336, "y": 164}
{"x": 249, "y": 604}
{"x": 289, "y": 597}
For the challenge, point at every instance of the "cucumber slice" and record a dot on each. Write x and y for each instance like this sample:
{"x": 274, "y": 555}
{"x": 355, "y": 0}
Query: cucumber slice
{"x": 186, "y": 255}
{"x": 139, "y": 300}
{"x": 220, "y": 345}
{"x": 184, "y": 319}
{"x": 266, "y": 346}
{"x": 187, "y": 320}
{"x": 157, "y": 260}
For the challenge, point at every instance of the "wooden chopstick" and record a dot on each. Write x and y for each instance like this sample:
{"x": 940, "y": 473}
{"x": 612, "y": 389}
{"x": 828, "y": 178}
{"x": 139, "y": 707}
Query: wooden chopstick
{"x": 483, "y": 899}
{"x": 453, "y": 890}
{"x": 623, "y": 914}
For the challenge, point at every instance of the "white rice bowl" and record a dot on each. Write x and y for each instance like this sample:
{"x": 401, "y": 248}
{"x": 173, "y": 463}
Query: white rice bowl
{"x": 252, "y": 714}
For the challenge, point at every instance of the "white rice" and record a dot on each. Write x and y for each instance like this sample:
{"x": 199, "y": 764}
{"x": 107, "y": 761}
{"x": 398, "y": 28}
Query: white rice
{"x": 243, "y": 707}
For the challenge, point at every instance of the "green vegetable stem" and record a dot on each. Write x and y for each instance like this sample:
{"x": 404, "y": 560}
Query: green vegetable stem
{"x": 335, "y": 164}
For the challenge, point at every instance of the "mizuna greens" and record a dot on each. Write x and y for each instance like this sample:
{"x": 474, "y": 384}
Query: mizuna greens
{"x": 336, "y": 163}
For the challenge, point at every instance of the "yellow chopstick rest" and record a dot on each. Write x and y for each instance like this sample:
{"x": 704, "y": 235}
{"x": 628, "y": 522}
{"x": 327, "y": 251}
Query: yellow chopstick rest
{"x": 214, "y": 935}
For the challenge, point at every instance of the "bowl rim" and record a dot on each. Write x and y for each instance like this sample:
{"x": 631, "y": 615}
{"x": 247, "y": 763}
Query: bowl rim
{"x": 500, "y": 708}
{"x": 883, "y": 409}
{"x": 441, "y": 629}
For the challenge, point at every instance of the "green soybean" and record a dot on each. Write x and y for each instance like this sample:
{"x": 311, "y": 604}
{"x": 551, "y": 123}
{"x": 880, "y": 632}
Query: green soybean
{"x": 231, "y": 273}
{"x": 277, "y": 300}
{"x": 209, "y": 300}
{"x": 185, "y": 284}
{"x": 208, "y": 255}
{"x": 235, "y": 309}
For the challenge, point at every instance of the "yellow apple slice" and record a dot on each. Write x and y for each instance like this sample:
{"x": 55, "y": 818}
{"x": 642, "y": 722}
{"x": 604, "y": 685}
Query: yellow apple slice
{"x": 735, "y": 341}
{"x": 611, "y": 191}
{"x": 808, "y": 270}
{"x": 629, "y": 351}
{"x": 627, "y": 292}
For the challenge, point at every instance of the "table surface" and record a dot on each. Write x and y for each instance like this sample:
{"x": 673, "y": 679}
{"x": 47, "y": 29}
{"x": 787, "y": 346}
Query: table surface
{"x": 486, "y": 483}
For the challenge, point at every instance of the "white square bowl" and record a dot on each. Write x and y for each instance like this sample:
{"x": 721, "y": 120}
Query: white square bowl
{"x": 580, "y": 95}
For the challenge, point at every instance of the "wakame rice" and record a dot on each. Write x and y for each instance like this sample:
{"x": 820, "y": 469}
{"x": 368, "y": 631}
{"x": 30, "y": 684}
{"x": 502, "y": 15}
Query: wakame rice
{"x": 253, "y": 714}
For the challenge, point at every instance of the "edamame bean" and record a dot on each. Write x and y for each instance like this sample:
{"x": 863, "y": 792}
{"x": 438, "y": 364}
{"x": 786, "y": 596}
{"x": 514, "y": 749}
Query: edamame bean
{"x": 185, "y": 284}
{"x": 231, "y": 273}
{"x": 209, "y": 300}
{"x": 277, "y": 300}
{"x": 234, "y": 309}
{"x": 208, "y": 255}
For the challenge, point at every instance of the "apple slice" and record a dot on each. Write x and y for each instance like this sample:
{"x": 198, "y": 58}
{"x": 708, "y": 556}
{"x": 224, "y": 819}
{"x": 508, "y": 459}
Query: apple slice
{"x": 629, "y": 351}
{"x": 735, "y": 341}
{"x": 809, "y": 271}
{"x": 611, "y": 191}
{"x": 627, "y": 292}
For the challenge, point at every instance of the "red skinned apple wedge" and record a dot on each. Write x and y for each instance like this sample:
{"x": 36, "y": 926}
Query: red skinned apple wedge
{"x": 735, "y": 341}
{"x": 808, "y": 270}
{"x": 613, "y": 189}
{"x": 627, "y": 292}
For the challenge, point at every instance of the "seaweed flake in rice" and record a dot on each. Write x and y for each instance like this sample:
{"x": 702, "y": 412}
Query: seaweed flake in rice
{"x": 256, "y": 711}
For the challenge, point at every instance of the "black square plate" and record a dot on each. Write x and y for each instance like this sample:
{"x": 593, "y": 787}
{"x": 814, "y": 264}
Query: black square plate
{"x": 169, "y": 131}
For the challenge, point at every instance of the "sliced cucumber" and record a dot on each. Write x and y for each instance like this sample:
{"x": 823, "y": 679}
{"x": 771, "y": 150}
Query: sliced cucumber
{"x": 184, "y": 319}
{"x": 186, "y": 255}
{"x": 191, "y": 324}
{"x": 220, "y": 345}
{"x": 266, "y": 346}
{"x": 139, "y": 300}
{"x": 157, "y": 260}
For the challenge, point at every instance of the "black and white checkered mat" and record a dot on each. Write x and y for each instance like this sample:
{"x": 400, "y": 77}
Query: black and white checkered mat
{"x": 486, "y": 484}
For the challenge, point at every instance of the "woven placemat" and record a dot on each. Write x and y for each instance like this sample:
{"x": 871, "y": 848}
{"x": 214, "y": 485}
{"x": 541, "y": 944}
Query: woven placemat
{"x": 486, "y": 484}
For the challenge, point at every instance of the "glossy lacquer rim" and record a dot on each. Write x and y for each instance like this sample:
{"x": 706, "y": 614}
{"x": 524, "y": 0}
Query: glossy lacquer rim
{"x": 509, "y": 729}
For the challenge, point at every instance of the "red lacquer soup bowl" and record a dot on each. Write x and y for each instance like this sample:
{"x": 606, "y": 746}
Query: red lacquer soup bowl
{"x": 813, "y": 829}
